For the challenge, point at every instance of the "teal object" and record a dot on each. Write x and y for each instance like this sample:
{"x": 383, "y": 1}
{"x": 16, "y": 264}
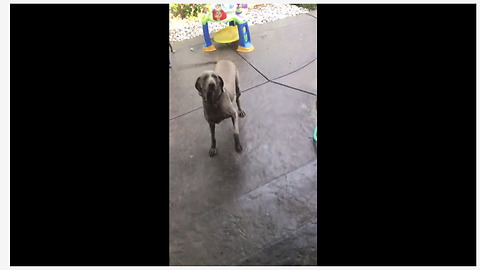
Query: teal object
{"x": 315, "y": 134}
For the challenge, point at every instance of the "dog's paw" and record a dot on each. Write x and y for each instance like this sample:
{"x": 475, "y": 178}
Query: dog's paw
{"x": 212, "y": 152}
{"x": 238, "y": 147}
{"x": 242, "y": 114}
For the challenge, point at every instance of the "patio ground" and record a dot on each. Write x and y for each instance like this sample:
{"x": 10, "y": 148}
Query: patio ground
{"x": 258, "y": 207}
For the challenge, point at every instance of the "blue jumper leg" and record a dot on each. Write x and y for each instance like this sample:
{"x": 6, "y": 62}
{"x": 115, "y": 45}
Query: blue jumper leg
{"x": 208, "y": 41}
{"x": 244, "y": 42}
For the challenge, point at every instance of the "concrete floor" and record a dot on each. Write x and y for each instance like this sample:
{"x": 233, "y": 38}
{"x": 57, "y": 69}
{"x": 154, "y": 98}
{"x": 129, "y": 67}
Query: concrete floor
{"x": 258, "y": 207}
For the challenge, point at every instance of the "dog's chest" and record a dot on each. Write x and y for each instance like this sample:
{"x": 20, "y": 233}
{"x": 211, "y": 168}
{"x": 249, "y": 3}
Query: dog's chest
{"x": 216, "y": 115}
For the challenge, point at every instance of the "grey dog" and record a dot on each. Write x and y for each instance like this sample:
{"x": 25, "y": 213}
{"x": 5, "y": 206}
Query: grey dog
{"x": 218, "y": 89}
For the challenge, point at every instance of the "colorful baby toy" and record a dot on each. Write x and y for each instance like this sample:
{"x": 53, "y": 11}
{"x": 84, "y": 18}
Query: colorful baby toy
{"x": 238, "y": 29}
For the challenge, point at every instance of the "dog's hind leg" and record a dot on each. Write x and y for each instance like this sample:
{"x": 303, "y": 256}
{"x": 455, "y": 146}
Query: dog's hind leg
{"x": 241, "y": 112}
{"x": 213, "y": 148}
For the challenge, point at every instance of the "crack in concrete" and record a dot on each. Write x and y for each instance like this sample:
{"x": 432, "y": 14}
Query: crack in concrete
{"x": 196, "y": 109}
{"x": 294, "y": 88}
{"x": 250, "y": 88}
{"x": 183, "y": 114}
{"x": 272, "y": 80}
{"x": 253, "y": 87}
{"x": 249, "y": 63}
{"x": 263, "y": 75}
{"x": 280, "y": 176}
{"x": 302, "y": 67}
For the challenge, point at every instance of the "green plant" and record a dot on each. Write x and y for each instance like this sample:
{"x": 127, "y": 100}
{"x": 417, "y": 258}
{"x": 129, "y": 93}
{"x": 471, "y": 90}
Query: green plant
{"x": 309, "y": 6}
{"x": 185, "y": 10}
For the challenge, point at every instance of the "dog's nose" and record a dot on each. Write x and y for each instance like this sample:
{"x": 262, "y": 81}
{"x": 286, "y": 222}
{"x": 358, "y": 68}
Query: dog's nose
{"x": 211, "y": 86}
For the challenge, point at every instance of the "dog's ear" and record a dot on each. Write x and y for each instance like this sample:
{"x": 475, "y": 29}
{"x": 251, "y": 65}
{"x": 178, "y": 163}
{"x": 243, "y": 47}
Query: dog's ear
{"x": 198, "y": 85}
{"x": 220, "y": 82}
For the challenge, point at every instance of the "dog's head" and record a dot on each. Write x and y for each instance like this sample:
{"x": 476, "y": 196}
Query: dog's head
{"x": 209, "y": 86}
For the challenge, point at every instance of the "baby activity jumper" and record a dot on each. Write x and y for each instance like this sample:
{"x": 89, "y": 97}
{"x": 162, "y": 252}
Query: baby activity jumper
{"x": 234, "y": 14}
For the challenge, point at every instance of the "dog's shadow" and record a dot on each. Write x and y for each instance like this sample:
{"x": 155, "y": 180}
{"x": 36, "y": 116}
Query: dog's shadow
{"x": 230, "y": 177}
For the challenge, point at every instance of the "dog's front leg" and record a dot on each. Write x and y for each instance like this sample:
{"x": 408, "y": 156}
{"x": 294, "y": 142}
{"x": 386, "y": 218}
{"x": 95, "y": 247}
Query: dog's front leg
{"x": 238, "y": 146}
{"x": 213, "y": 148}
{"x": 241, "y": 112}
